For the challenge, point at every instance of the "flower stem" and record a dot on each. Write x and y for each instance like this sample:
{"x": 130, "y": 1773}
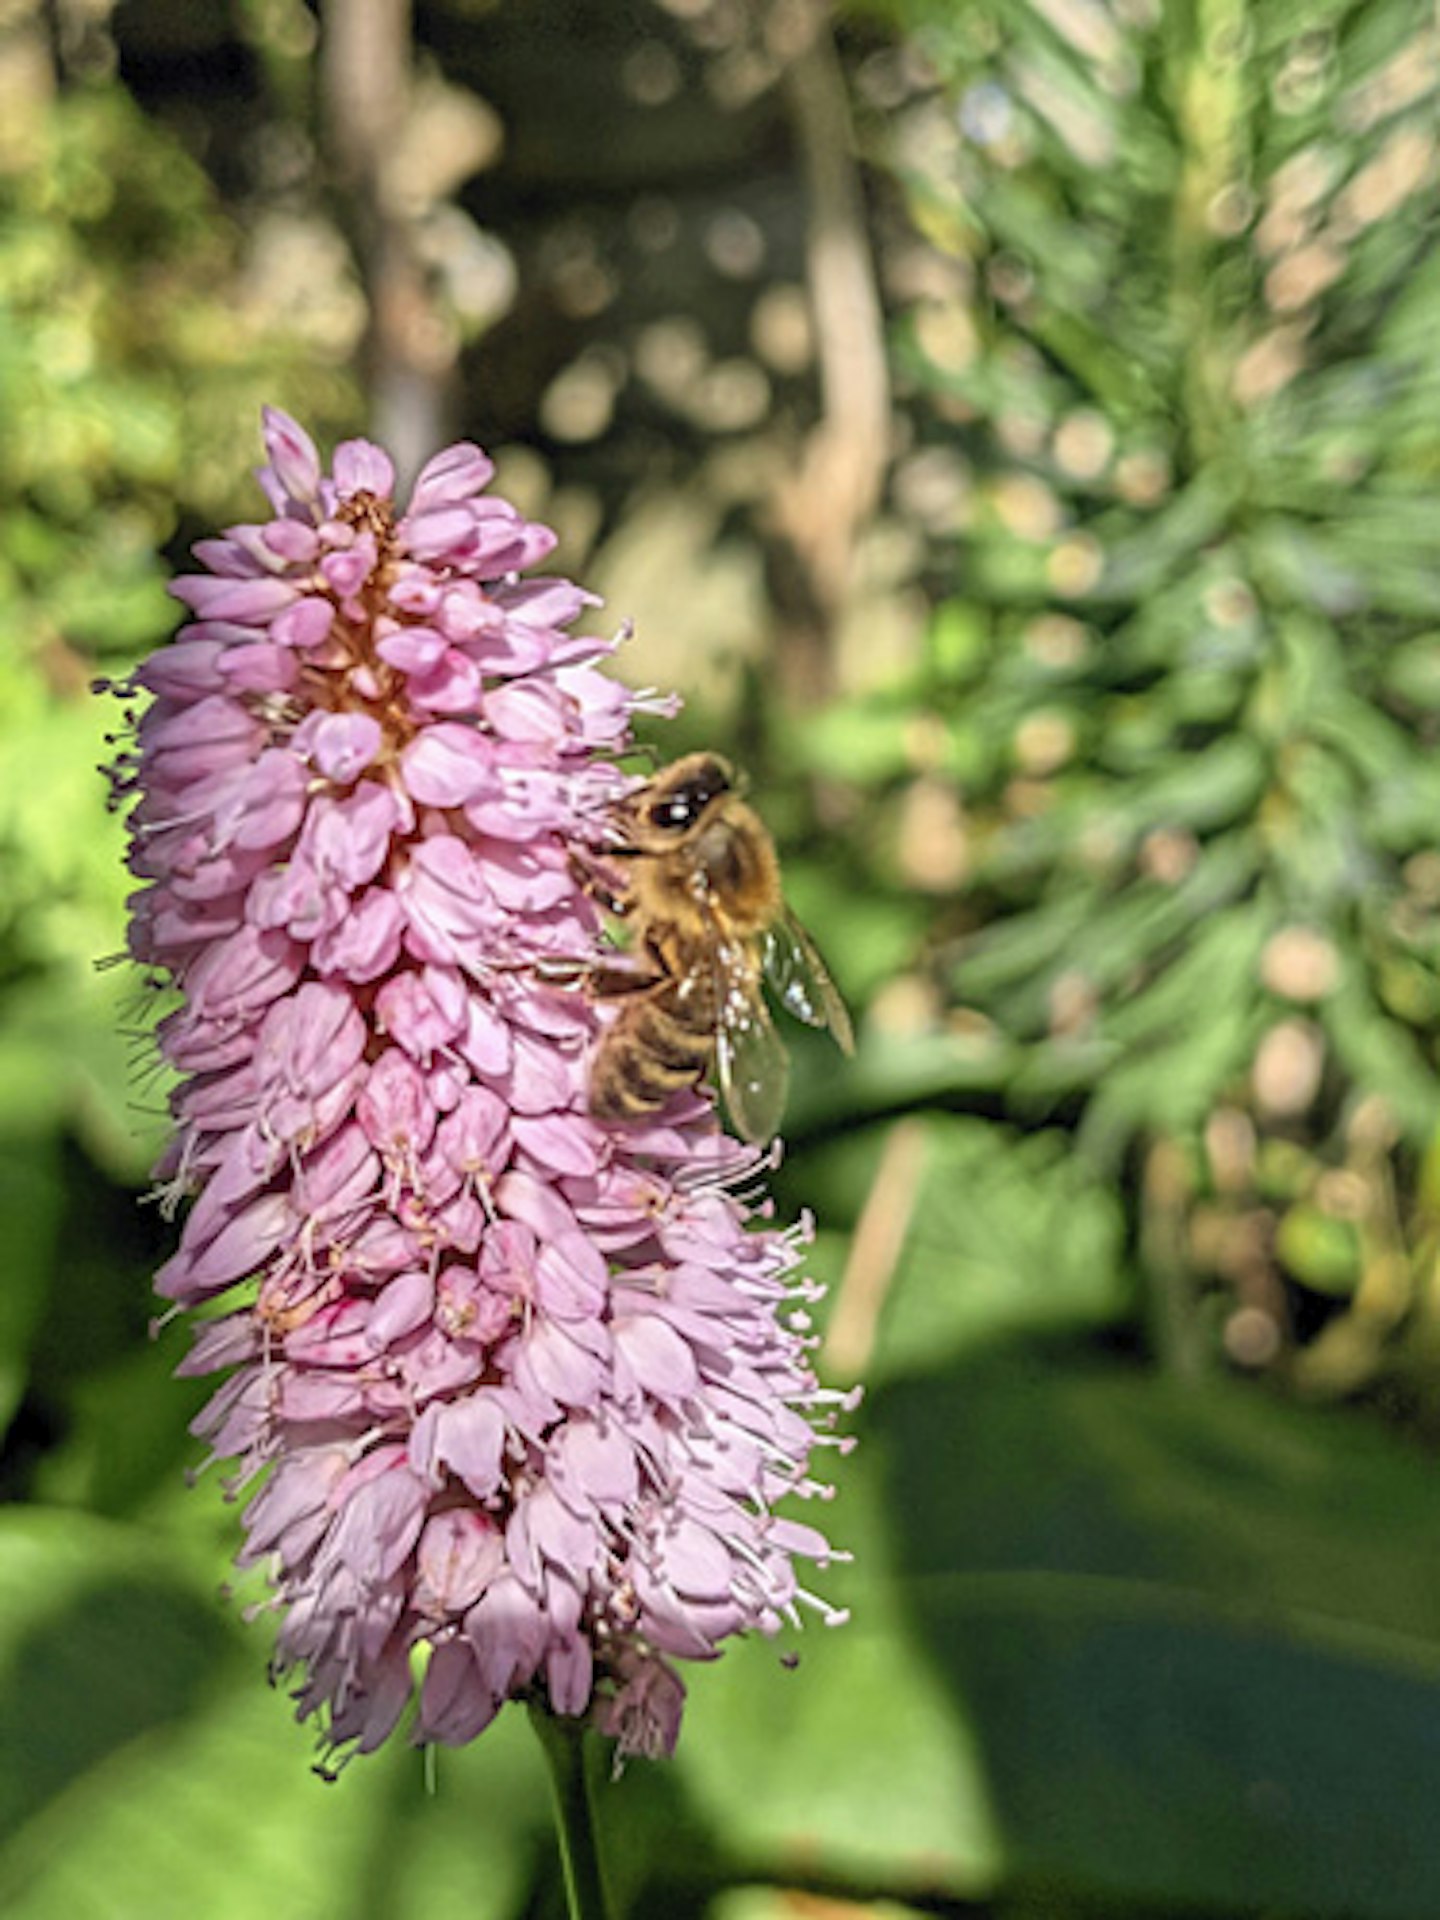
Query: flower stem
{"x": 563, "y": 1744}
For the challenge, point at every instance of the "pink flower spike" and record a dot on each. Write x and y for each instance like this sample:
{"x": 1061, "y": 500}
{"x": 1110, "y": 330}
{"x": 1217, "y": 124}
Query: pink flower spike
{"x": 522, "y": 1391}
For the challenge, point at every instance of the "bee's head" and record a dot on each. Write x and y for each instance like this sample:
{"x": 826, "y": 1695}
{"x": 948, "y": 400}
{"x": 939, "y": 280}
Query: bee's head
{"x": 676, "y": 799}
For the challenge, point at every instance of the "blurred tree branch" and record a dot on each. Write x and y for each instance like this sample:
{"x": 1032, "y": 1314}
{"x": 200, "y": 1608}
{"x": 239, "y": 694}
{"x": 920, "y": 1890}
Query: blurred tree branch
{"x": 366, "y": 95}
{"x": 820, "y": 508}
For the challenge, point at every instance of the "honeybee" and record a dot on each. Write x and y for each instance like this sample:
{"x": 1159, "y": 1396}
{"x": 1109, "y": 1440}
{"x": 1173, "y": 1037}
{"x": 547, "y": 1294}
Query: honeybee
{"x": 702, "y": 892}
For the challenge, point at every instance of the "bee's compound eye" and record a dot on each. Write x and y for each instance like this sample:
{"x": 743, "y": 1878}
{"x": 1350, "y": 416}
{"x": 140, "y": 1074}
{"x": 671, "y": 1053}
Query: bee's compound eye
{"x": 684, "y": 806}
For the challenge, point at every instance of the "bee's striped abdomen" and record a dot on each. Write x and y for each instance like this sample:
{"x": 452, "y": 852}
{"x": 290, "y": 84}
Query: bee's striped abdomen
{"x": 657, "y": 1046}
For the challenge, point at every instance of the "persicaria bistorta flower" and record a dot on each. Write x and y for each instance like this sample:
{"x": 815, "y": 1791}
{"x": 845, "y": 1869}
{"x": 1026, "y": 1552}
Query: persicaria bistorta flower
{"x": 504, "y": 1383}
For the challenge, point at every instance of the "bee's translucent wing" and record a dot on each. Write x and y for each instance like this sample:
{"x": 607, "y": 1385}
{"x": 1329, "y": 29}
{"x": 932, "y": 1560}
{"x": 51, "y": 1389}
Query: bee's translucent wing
{"x": 751, "y": 1063}
{"x": 802, "y": 981}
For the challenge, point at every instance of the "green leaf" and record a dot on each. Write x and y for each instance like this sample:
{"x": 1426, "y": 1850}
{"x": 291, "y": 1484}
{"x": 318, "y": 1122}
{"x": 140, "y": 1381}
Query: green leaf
{"x": 1195, "y": 1636}
{"x": 31, "y": 1205}
{"x": 1123, "y": 1642}
{"x": 1002, "y": 1232}
{"x": 158, "y": 1777}
{"x": 855, "y": 1765}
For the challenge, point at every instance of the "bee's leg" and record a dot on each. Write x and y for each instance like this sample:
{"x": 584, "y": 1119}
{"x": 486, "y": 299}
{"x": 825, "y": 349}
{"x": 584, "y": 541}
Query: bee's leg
{"x": 557, "y": 972}
{"x": 597, "y": 884}
{"x": 616, "y": 980}
{"x": 621, "y": 978}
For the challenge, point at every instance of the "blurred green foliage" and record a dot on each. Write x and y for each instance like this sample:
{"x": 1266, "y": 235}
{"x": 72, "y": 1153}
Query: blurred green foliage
{"x": 1168, "y": 768}
{"x": 133, "y": 362}
{"x": 1133, "y": 875}
{"x": 132, "y": 368}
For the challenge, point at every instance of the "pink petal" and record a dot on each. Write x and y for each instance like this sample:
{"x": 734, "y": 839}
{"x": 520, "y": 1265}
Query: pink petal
{"x": 343, "y": 745}
{"x": 293, "y": 459}
{"x": 438, "y": 531}
{"x": 185, "y": 670}
{"x": 249, "y": 602}
{"x": 379, "y": 1519}
{"x": 598, "y": 1461}
{"x": 460, "y": 1553}
{"x": 446, "y": 765}
{"x": 366, "y": 942}
{"x": 695, "y": 1562}
{"x": 660, "y": 1360}
{"x": 455, "y": 1702}
{"x": 526, "y": 711}
{"x": 508, "y": 1631}
{"x": 338, "y": 1176}
{"x": 416, "y": 650}
{"x": 405, "y": 1304}
{"x": 239, "y": 1249}
{"x": 347, "y": 838}
{"x": 545, "y": 602}
{"x": 407, "y": 1011}
{"x": 569, "y": 1675}
{"x": 455, "y": 474}
{"x": 362, "y": 467}
{"x": 305, "y": 625}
